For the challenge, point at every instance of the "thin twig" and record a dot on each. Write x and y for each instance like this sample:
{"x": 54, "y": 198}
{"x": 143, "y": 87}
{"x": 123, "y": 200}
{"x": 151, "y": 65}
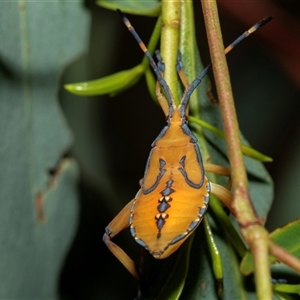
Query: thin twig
{"x": 285, "y": 257}
{"x": 255, "y": 235}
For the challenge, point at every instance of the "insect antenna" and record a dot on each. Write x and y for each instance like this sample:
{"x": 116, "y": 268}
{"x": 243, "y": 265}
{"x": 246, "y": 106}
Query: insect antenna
{"x": 153, "y": 64}
{"x": 189, "y": 90}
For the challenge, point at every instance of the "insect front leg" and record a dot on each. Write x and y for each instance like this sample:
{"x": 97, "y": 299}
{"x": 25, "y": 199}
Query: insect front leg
{"x": 161, "y": 99}
{"x": 163, "y": 102}
{"x": 118, "y": 224}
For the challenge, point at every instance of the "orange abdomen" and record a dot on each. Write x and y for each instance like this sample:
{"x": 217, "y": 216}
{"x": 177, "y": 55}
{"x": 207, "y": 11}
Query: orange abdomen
{"x": 162, "y": 219}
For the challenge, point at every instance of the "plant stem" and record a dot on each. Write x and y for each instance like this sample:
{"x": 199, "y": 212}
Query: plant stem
{"x": 170, "y": 43}
{"x": 255, "y": 235}
{"x": 260, "y": 251}
{"x": 285, "y": 257}
{"x": 223, "y": 86}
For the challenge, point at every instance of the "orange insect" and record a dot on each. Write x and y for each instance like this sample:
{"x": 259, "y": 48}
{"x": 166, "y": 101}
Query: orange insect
{"x": 174, "y": 193}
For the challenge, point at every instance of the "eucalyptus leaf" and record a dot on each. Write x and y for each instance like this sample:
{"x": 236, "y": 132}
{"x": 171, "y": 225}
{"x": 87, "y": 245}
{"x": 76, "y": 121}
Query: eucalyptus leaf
{"x": 38, "y": 184}
{"x": 111, "y": 84}
{"x": 150, "y": 8}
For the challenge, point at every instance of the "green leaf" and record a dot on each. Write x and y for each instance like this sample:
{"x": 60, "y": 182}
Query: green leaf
{"x": 288, "y": 237}
{"x": 118, "y": 82}
{"x": 38, "y": 185}
{"x": 287, "y": 288}
{"x": 247, "y": 150}
{"x": 151, "y": 82}
{"x": 112, "y": 84}
{"x": 150, "y": 8}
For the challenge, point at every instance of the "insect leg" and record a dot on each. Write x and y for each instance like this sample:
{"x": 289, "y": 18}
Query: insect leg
{"x": 183, "y": 77}
{"x": 161, "y": 99}
{"x": 118, "y": 224}
{"x": 223, "y": 194}
{"x": 179, "y": 67}
{"x": 180, "y": 71}
{"x": 159, "y": 95}
{"x": 211, "y": 168}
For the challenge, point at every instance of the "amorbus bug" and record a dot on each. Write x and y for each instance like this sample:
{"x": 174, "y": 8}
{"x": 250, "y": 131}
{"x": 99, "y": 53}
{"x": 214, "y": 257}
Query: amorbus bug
{"x": 174, "y": 192}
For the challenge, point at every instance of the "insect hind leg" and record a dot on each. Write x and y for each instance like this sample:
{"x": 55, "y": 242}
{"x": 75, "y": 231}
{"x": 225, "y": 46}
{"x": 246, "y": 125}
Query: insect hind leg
{"x": 118, "y": 224}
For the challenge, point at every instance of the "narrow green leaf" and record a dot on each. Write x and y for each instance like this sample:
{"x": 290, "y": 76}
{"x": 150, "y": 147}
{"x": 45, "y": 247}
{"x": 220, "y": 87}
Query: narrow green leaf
{"x": 151, "y": 82}
{"x": 247, "y": 150}
{"x": 118, "y": 82}
{"x": 215, "y": 256}
{"x": 150, "y": 8}
{"x": 283, "y": 296}
{"x": 111, "y": 84}
{"x": 287, "y": 288}
{"x": 288, "y": 237}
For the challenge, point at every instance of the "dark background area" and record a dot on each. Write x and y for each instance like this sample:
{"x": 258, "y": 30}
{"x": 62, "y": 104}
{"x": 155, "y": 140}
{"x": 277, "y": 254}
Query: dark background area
{"x": 113, "y": 135}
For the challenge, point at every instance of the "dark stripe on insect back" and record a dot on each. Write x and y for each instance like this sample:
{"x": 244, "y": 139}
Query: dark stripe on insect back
{"x": 185, "y": 174}
{"x": 188, "y": 132}
{"x": 163, "y": 206}
{"x": 162, "y": 163}
{"x": 161, "y": 134}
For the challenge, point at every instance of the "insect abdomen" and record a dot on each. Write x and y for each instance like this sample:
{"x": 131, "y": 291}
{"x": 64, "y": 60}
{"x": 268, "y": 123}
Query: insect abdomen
{"x": 164, "y": 218}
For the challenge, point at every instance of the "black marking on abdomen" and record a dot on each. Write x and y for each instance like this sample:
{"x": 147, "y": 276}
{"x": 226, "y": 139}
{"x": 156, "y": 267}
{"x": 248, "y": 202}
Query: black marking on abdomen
{"x": 170, "y": 182}
{"x": 167, "y": 191}
{"x": 164, "y": 205}
{"x": 160, "y": 222}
